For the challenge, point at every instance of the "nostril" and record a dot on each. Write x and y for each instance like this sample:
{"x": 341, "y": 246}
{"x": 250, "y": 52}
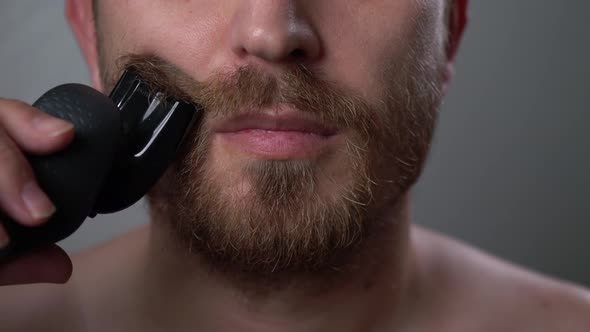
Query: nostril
{"x": 241, "y": 52}
{"x": 298, "y": 54}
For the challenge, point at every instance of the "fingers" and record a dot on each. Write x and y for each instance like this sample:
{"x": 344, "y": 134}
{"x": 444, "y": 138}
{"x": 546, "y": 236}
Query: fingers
{"x": 32, "y": 130}
{"x": 46, "y": 265}
{"x": 20, "y": 196}
{"x": 25, "y": 128}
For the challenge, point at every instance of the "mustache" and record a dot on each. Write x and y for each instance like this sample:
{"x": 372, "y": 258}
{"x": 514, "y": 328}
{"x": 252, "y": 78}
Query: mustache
{"x": 248, "y": 89}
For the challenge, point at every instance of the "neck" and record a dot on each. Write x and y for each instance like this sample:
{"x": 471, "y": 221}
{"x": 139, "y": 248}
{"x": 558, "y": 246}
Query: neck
{"x": 183, "y": 292}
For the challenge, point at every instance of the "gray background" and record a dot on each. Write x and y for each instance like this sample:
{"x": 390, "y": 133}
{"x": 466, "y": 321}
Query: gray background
{"x": 509, "y": 171}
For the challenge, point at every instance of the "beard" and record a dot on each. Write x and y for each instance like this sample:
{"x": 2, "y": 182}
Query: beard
{"x": 275, "y": 218}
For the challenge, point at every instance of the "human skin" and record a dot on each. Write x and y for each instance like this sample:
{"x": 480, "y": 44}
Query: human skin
{"x": 295, "y": 33}
{"x": 413, "y": 281}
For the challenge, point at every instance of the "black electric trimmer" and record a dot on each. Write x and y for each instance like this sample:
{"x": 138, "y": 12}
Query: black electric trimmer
{"x": 123, "y": 144}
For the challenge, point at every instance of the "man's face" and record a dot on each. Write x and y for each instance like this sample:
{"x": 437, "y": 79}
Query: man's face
{"x": 318, "y": 117}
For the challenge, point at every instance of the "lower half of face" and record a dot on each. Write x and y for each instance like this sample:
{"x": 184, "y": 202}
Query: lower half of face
{"x": 291, "y": 172}
{"x": 296, "y": 183}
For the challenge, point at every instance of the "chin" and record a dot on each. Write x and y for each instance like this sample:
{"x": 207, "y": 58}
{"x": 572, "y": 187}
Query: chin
{"x": 266, "y": 217}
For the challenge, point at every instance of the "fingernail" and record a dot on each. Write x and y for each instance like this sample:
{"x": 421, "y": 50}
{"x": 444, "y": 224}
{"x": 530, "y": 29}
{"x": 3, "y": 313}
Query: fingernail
{"x": 38, "y": 204}
{"x": 51, "y": 126}
{"x": 4, "y": 239}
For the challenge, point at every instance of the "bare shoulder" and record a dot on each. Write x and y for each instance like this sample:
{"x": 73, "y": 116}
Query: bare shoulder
{"x": 46, "y": 307}
{"x": 484, "y": 293}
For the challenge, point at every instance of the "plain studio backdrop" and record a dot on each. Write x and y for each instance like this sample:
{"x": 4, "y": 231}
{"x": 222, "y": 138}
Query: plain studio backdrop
{"x": 510, "y": 168}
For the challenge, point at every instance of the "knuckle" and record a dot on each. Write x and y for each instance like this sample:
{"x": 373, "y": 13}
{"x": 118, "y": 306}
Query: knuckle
{"x": 11, "y": 108}
{"x": 9, "y": 157}
{"x": 15, "y": 104}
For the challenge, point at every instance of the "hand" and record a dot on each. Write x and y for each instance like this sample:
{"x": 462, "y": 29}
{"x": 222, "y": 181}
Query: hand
{"x": 25, "y": 128}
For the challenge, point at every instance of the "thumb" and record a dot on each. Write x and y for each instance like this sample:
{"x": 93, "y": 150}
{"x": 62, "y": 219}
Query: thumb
{"x": 45, "y": 265}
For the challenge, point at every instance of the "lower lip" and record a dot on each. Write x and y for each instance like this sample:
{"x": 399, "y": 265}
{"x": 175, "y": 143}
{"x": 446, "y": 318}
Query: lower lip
{"x": 277, "y": 145}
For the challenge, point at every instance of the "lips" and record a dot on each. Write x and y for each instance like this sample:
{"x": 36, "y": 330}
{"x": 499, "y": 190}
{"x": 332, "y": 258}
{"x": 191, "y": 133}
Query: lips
{"x": 284, "y": 121}
{"x": 275, "y": 134}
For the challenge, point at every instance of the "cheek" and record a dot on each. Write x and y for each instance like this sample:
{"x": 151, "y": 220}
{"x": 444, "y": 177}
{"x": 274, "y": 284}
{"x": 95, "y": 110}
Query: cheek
{"x": 378, "y": 38}
{"x": 187, "y": 33}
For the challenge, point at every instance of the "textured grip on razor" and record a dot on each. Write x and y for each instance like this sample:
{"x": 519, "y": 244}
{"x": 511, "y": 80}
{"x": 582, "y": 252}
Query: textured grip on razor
{"x": 73, "y": 177}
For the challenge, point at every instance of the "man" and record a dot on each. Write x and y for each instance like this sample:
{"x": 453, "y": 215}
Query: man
{"x": 287, "y": 209}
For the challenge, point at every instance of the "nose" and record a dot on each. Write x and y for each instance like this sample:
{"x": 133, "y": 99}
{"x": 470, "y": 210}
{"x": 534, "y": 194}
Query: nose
{"x": 273, "y": 31}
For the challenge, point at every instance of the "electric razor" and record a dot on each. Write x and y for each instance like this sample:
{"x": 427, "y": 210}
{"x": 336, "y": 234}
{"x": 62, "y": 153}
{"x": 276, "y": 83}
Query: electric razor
{"x": 123, "y": 144}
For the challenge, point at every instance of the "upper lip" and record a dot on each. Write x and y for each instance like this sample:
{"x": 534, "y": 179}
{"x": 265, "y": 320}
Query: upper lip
{"x": 283, "y": 119}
